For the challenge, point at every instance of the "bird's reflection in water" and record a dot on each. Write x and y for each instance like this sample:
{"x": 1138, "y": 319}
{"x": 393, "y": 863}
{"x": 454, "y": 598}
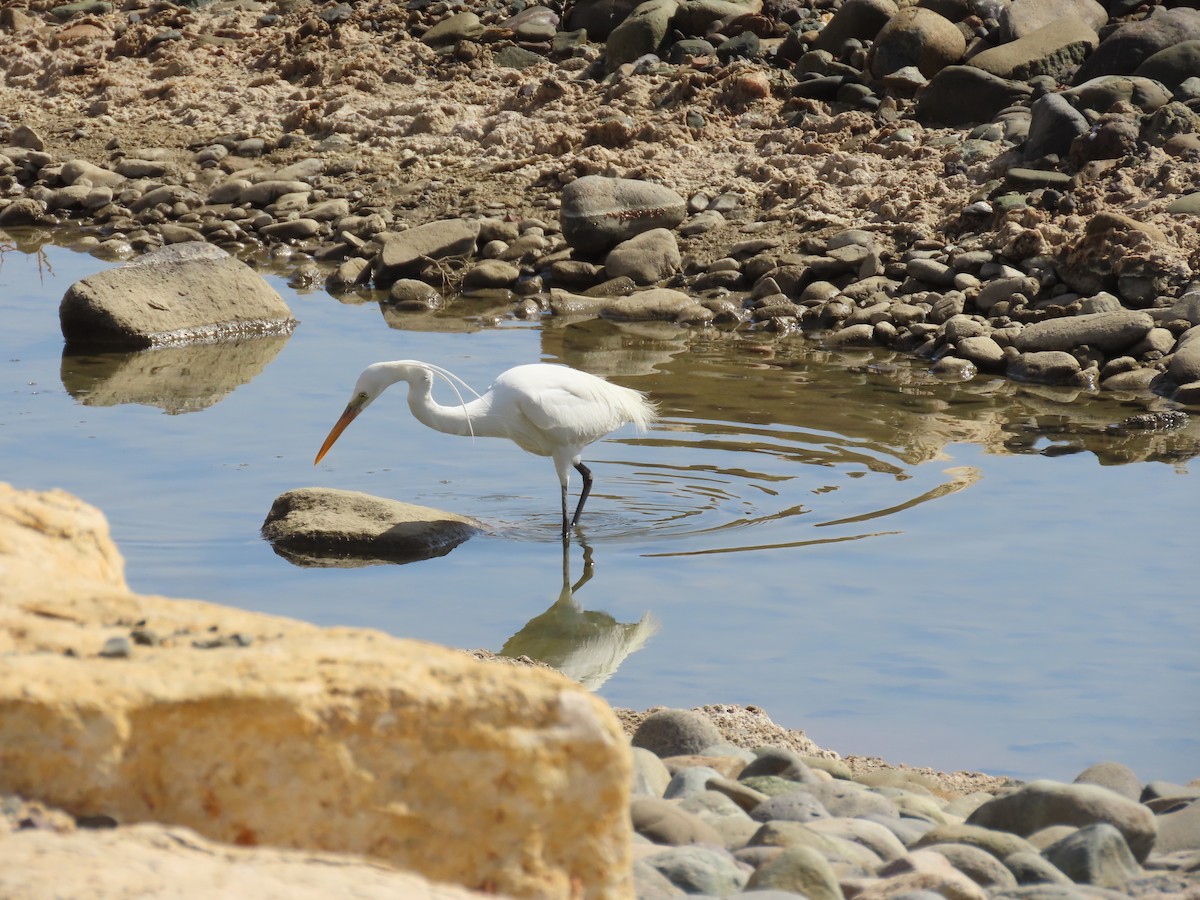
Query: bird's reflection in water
{"x": 585, "y": 645}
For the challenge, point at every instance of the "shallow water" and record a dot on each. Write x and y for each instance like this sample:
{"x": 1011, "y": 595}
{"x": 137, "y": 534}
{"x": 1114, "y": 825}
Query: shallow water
{"x": 974, "y": 576}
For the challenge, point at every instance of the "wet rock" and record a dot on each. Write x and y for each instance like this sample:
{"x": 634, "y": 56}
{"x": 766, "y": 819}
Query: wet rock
{"x": 1042, "y": 803}
{"x": 405, "y": 253}
{"x": 316, "y": 524}
{"x": 646, "y": 258}
{"x": 22, "y": 211}
{"x": 1054, "y": 50}
{"x": 598, "y": 212}
{"x": 919, "y": 37}
{"x": 1108, "y": 331}
{"x": 1095, "y": 854}
{"x": 186, "y": 292}
{"x": 674, "y": 732}
{"x": 490, "y": 274}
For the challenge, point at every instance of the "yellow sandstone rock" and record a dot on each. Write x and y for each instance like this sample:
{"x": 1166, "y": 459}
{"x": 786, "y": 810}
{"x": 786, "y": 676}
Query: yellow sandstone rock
{"x": 348, "y": 740}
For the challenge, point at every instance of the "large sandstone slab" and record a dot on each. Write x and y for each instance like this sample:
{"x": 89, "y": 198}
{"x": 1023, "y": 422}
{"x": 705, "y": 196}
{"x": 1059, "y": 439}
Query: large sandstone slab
{"x": 158, "y": 861}
{"x": 346, "y": 740}
{"x": 178, "y": 294}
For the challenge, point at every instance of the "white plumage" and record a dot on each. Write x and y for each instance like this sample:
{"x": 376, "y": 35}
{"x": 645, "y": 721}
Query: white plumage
{"x": 547, "y": 410}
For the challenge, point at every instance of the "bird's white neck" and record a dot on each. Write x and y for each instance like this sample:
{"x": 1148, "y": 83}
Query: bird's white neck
{"x": 463, "y": 419}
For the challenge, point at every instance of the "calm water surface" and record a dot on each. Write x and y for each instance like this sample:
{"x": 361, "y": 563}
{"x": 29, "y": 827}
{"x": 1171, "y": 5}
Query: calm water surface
{"x": 962, "y": 576}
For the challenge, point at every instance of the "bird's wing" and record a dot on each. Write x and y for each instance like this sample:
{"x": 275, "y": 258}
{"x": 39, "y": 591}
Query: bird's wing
{"x": 569, "y": 408}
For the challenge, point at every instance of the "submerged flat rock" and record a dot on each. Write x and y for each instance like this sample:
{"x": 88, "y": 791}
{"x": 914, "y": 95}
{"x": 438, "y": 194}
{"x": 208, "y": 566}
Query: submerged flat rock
{"x": 178, "y": 294}
{"x": 330, "y": 527}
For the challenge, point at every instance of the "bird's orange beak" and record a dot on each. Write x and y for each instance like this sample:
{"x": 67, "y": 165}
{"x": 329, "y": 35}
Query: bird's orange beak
{"x": 352, "y": 410}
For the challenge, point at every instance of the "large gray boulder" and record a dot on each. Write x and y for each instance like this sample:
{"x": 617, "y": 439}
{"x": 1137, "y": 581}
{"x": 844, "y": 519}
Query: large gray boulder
{"x": 599, "y": 212}
{"x": 329, "y": 527}
{"x": 405, "y": 253}
{"x": 1040, "y": 804}
{"x": 178, "y": 294}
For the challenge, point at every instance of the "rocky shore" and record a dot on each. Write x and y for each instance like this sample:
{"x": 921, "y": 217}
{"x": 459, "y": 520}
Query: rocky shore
{"x": 998, "y": 187}
{"x": 1001, "y": 188}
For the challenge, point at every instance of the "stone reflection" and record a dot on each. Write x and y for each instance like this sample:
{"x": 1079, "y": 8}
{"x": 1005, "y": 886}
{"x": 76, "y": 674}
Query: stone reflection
{"x": 886, "y": 405}
{"x": 587, "y": 646}
{"x": 177, "y": 379}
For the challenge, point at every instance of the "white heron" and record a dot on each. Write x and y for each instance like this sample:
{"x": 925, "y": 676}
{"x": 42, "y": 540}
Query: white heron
{"x": 544, "y": 409}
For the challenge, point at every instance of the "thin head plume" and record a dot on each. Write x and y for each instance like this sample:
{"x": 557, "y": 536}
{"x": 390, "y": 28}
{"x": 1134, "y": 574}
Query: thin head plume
{"x": 454, "y": 381}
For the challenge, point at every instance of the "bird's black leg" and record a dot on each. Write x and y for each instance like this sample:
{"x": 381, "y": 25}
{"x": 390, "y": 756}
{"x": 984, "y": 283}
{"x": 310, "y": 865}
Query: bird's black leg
{"x": 566, "y": 535}
{"x": 583, "y": 495}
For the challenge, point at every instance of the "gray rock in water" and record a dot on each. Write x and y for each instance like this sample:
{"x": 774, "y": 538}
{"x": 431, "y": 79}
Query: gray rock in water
{"x": 1108, "y": 331}
{"x": 1095, "y": 854}
{"x": 1044, "y": 367}
{"x": 599, "y": 212}
{"x": 1039, "y": 804}
{"x": 404, "y": 253}
{"x": 328, "y": 527}
{"x": 676, "y": 732}
{"x": 178, "y": 294}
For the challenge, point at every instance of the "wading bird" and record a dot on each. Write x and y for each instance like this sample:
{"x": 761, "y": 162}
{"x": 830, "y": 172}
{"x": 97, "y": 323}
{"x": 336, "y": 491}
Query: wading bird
{"x": 545, "y": 409}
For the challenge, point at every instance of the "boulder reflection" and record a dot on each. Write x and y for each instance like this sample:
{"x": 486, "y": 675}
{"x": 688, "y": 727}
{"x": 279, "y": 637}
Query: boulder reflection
{"x": 177, "y": 379}
{"x": 587, "y": 646}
